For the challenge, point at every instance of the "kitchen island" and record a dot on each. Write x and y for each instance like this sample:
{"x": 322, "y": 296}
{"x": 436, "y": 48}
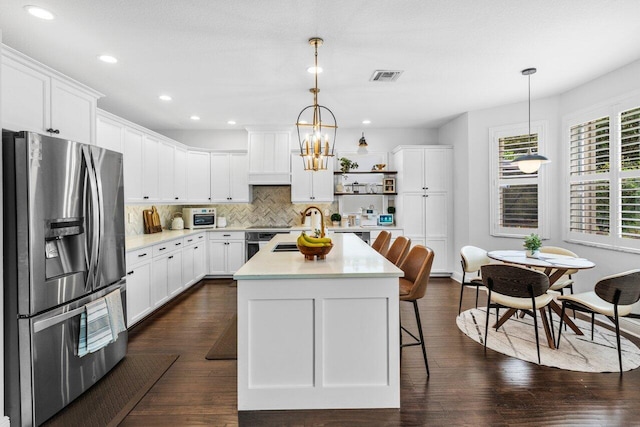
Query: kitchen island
{"x": 318, "y": 334}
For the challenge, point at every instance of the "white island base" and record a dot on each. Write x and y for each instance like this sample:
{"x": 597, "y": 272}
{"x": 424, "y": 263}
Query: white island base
{"x": 318, "y": 334}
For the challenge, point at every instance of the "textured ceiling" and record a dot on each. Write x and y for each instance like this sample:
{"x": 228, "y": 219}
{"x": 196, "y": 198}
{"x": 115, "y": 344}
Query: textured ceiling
{"x": 246, "y": 59}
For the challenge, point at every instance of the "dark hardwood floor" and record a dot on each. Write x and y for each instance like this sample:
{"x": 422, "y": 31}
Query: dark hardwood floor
{"x": 466, "y": 387}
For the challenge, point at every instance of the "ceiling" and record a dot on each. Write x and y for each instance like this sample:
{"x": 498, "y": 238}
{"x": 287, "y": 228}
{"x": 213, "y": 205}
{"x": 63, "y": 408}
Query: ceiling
{"x": 246, "y": 60}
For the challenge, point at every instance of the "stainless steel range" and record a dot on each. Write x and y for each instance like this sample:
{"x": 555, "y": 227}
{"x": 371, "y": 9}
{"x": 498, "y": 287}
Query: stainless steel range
{"x": 257, "y": 239}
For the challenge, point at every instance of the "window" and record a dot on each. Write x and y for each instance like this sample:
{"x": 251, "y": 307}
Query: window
{"x": 516, "y": 197}
{"x": 604, "y": 177}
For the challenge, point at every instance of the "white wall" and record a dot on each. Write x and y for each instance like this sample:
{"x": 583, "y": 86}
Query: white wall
{"x": 4, "y": 421}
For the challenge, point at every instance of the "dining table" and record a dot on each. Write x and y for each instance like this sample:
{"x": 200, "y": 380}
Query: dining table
{"x": 555, "y": 266}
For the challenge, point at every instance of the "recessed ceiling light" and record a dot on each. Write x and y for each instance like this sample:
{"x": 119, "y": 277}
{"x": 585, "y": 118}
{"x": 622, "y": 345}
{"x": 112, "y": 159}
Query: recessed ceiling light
{"x": 195, "y": 118}
{"x": 231, "y": 122}
{"x": 314, "y": 70}
{"x": 366, "y": 122}
{"x": 165, "y": 98}
{"x": 39, "y": 12}
{"x": 108, "y": 59}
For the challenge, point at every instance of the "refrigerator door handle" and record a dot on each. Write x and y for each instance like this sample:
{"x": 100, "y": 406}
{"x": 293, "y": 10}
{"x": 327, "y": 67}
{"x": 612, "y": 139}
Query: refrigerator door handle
{"x": 95, "y": 219}
{"x": 100, "y": 215}
{"x": 51, "y": 321}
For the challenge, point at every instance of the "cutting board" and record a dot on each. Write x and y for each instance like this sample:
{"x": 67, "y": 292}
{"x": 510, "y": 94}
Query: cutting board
{"x": 151, "y": 221}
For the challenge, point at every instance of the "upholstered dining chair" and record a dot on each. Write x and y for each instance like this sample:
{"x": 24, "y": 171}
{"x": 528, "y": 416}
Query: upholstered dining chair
{"x": 416, "y": 267}
{"x": 516, "y": 288}
{"x": 613, "y": 297}
{"x": 566, "y": 281}
{"x": 398, "y": 250}
{"x": 471, "y": 259}
{"x": 381, "y": 244}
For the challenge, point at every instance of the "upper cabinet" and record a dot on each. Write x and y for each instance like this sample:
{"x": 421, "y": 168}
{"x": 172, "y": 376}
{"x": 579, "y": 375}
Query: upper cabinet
{"x": 198, "y": 177}
{"x": 229, "y": 178}
{"x": 308, "y": 186}
{"x": 38, "y": 99}
{"x": 269, "y": 157}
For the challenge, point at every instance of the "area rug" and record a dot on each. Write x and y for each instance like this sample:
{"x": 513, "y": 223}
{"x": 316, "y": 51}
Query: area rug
{"x": 109, "y": 401}
{"x": 226, "y": 346}
{"x": 516, "y": 338}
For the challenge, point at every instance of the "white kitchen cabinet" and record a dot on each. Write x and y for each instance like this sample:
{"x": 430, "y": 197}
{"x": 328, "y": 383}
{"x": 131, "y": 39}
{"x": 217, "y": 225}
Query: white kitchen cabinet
{"x": 309, "y": 186}
{"x": 174, "y": 273}
{"x": 166, "y": 171}
{"x": 193, "y": 259}
{"x": 150, "y": 171}
{"x": 39, "y": 99}
{"x": 180, "y": 174}
{"x": 139, "y": 296}
{"x": 423, "y": 204}
{"x": 167, "y": 271}
{"x": 269, "y": 157}
{"x": 226, "y": 252}
{"x": 198, "y": 177}
{"x": 229, "y": 178}
{"x": 132, "y": 162}
{"x": 109, "y": 133}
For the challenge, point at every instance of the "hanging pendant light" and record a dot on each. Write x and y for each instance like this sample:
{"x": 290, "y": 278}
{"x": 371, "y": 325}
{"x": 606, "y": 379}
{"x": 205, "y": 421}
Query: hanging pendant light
{"x": 530, "y": 162}
{"x": 362, "y": 145}
{"x": 315, "y": 146}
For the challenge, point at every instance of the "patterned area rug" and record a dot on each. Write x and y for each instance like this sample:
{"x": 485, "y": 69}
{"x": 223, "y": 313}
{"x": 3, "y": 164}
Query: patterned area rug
{"x": 516, "y": 338}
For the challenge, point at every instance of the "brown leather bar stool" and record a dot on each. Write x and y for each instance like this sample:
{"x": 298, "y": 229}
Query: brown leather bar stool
{"x": 381, "y": 244}
{"x": 416, "y": 267}
{"x": 398, "y": 250}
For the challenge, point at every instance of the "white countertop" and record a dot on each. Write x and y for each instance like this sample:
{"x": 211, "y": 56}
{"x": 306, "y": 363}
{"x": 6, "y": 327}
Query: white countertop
{"x": 350, "y": 257}
{"x": 142, "y": 240}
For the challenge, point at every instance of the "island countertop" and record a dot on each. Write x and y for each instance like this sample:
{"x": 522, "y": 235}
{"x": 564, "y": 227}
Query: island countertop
{"x": 349, "y": 257}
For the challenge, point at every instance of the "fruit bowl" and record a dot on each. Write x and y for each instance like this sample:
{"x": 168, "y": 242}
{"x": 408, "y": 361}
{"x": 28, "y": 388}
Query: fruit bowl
{"x": 379, "y": 166}
{"x": 310, "y": 252}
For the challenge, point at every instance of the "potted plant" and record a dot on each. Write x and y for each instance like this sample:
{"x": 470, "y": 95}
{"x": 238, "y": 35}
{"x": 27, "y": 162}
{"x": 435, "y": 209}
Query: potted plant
{"x": 335, "y": 219}
{"x": 532, "y": 243}
{"x": 346, "y": 165}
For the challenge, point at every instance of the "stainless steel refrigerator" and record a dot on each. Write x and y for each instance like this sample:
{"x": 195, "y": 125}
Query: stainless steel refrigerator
{"x": 64, "y": 247}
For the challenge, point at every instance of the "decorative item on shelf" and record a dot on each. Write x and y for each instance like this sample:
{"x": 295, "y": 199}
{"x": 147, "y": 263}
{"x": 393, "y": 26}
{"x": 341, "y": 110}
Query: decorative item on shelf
{"x": 362, "y": 145}
{"x": 532, "y": 243}
{"x": 346, "y": 165}
{"x": 315, "y": 147}
{"x": 530, "y": 162}
{"x": 389, "y": 185}
{"x": 335, "y": 219}
{"x": 372, "y": 188}
{"x": 378, "y": 167}
{"x": 356, "y": 187}
{"x": 391, "y": 209}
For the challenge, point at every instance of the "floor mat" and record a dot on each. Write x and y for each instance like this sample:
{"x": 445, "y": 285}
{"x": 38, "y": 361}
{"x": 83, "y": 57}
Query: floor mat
{"x": 226, "y": 346}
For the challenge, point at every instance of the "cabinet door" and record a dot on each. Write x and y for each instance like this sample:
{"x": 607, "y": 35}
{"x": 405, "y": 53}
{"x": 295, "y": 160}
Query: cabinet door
{"x": 437, "y": 169}
{"x": 322, "y": 187}
{"x": 239, "y": 178}
{"x": 220, "y": 178}
{"x": 180, "y": 175}
{"x": 109, "y": 134}
{"x": 138, "y": 293}
{"x": 73, "y": 112}
{"x": 133, "y": 165}
{"x": 301, "y": 181}
{"x": 159, "y": 288}
{"x": 436, "y": 215}
{"x": 199, "y": 261}
{"x": 25, "y": 99}
{"x": 187, "y": 266}
{"x": 440, "y": 258}
{"x": 198, "y": 165}
{"x": 235, "y": 255}
{"x": 174, "y": 273}
{"x": 269, "y": 157}
{"x": 217, "y": 255}
{"x": 166, "y": 173}
{"x": 150, "y": 174}
{"x": 412, "y": 212}
{"x": 413, "y": 170}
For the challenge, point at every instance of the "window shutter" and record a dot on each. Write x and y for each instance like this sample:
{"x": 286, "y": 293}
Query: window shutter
{"x": 590, "y": 147}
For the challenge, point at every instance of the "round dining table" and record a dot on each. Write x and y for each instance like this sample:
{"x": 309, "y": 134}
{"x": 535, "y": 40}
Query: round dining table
{"x": 555, "y": 266}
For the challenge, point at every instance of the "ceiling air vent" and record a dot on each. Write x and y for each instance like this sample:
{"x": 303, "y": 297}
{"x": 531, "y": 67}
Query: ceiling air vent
{"x": 385, "y": 76}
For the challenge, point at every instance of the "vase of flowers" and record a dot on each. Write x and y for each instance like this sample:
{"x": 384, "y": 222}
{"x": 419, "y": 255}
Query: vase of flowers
{"x": 532, "y": 244}
{"x": 346, "y": 165}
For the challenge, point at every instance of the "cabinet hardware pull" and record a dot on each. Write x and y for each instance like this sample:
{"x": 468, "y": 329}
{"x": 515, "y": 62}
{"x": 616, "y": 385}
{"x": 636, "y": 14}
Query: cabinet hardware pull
{"x": 177, "y": 198}
{"x": 171, "y": 257}
{"x": 178, "y": 244}
{"x": 190, "y": 240}
{"x": 129, "y": 273}
{"x": 195, "y": 247}
{"x": 145, "y": 197}
{"x": 162, "y": 249}
{"x": 141, "y": 255}
{"x": 52, "y": 130}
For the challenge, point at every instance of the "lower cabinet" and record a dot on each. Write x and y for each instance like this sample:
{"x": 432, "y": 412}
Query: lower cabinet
{"x": 194, "y": 259}
{"x": 138, "y": 285}
{"x": 226, "y": 252}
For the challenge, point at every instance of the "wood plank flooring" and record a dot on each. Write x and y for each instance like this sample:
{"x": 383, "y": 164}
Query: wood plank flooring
{"x": 466, "y": 387}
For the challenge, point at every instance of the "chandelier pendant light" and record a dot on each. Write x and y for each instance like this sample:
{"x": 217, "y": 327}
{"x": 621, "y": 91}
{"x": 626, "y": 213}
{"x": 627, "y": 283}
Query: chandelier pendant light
{"x": 313, "y": 135}
{"x": 530, "y": 162}
{"x": 362, "y": 145}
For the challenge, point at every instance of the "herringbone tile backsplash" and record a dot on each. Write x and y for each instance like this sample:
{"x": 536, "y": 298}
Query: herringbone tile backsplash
{"x": 271, "y": 206}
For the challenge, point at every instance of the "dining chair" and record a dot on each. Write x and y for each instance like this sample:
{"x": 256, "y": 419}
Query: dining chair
{"x": 398, "y": 250}
{"x": 613, "y": 297}
{"x": 516, "y": 288}
{"x": 381, "y": 244}
{"x": 566, "y": 281}
{"x": 471, "y": 259}
{"x": 416, "y": 267}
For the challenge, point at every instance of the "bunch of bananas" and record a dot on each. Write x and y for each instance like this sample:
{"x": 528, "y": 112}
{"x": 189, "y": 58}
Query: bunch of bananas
{"x": 313, "y": 242}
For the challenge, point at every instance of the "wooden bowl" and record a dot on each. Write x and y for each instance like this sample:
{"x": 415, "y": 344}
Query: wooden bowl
{"x": 379, "y": 166}
{"x": 310, "y": 252}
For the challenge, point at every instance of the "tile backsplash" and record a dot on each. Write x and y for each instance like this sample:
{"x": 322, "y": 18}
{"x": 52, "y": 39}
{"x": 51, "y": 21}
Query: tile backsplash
{"x": 271, "y": 206}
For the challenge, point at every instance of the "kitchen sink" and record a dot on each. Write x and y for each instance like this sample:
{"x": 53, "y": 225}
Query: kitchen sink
{"x": 285, "y": 247}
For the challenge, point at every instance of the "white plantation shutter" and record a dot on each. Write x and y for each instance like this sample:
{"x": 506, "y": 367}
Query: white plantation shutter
{"x": 630, "y": 174}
